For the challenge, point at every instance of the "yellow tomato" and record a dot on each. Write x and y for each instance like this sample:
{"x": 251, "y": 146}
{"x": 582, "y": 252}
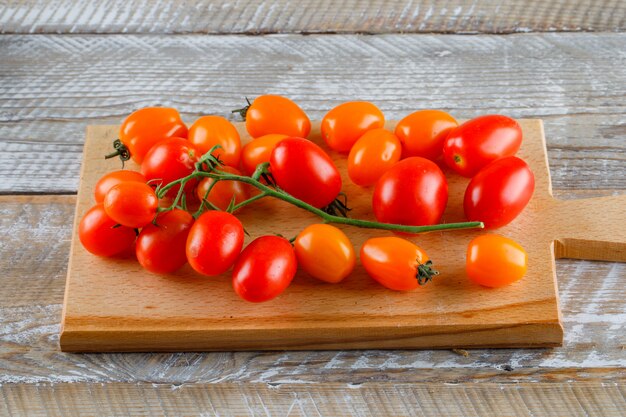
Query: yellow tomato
{"x": 372, "y": 155}
{"x": 495, "y": 261}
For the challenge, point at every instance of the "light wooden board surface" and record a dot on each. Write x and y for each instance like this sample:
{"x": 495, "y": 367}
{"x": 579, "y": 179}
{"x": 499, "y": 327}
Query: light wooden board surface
{"x": 301, "y": 16}
{"x": 576, "y": 83}
{"x": 385, "y": 399}
{"x": 106, "y": 311}
{"x": 52, "y": 87}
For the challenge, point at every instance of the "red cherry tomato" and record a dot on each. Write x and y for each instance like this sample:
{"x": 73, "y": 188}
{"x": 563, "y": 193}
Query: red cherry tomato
{"x": 423, "y": 132}
{"x": 499, "y": 192}
{"x": 209, "y": 131}
{"x": 258, "y": 151}
{"x": 396, "y": 263}
{"x": 479, "y": 141}
{"x": 305, "y": 171}
{"x": 131, "y": 204}
{"x": 372, "y": 155}
{"x": 107, "y": 181}
{"x": 223, "y": 192}
{"x": 161, "y": 248}
{"x": 214, "y": 242}
{"x": 101, "y": 235}
{"x": 495, "y": 261}
{"x": 276, "y": 114}
{"x": 169, "y": 160}
{"x": 345, "y": 124}
{"x": 264, "y": 269}
{"x": 413, "y": 192}
{"x": 145, "y": 127}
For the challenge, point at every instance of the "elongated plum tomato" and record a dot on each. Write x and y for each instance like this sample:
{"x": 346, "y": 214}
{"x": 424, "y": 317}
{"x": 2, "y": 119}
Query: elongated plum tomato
{"x": 305, "y": 171}
{"x": 495, "y": 261}
{"x": 209, "y": 131}
{"x": 99, "y": 235}
{"x": 112, "y": 178}
{"x": 499, "y": 192}
{"x": 161, "y": 247}
{"x": 372, "y": 155}
{"x": 142, "y": 129}
{"x": 413, "y": 192}
{"x": 479, "y": 141}
{"x": 396, "y": 263}
{"x": 345, "y": 124}
{"x": 131, "y": 204}
{"x": 224, "y": 191}
{"x": 423, "y": 132}
{"x": 264, "y": 269}
{"x": 276, "y": 114}
{"x": 214, "y": 242}
{"x": 325, "y": 252}
{"x": 170, "y": 160}
{"x": 258, "y": 151}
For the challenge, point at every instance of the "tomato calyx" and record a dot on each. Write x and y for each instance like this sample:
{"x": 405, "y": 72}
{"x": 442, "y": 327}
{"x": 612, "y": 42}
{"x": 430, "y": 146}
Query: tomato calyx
{"x": 338, "y": 207}
{"x": 425, "y": 272}
{"x": 120, "y": 150}
{"x": 244, "y": 110}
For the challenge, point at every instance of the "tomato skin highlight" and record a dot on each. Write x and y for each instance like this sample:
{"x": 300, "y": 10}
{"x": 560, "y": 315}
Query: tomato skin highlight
{"x": 223, "y": 192}
{"x": 145, "y": 127}
{"x": 170, "y": 160}
{"x": 160, "y": 248}
{"x": 495, "y": 261}
{"x": 258, "y": 151}
{"x": 413, "y": 192}
{"x": 325, "y": 252}
{"x": 209, "y": 131}
{"x": 423, "y": 133}
{"x": 98, "y": 234}
{"x": 214, "y": 242}
{"x": 272, "y": 114}
{"x": 477, "y": 142}
{"x": 305, "y": 171}
{"x": 131, "y": 204}
{"x": 343, "y": 125}
{"x": 264, "y": 269}
{"x": 393, "y": 262}
{"x": 372, "y": 155}
{"x": 499, "y": 192}
{"x": 110, "y": 179}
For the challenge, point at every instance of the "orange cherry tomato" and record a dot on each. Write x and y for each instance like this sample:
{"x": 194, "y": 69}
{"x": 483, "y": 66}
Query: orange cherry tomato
{"x": 131, "y": 204}
{"x": 372, "y": 155}
{"x": 258, "y": 151}
{"x": 145, "y": 127}
{"x": 276, "y": 114}
{"x": 346, "y": 123}
{"x": 396, "y": 263}
{"x": 107, "y": 181}
{"x": 423, "y": 132}
{"x": 209, "y": 131}
{"x": 325, "y": 252}
{"x": 495, "y": 261}
{"x": 223, "y": 192}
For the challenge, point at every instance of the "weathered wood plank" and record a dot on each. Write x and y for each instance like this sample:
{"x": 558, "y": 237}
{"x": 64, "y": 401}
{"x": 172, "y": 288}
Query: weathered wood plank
{"x": 575, "y": 82}
{"x": 283, "y": 16}
{"x": 377, "y": 399}
{"x": 34, "y": 260}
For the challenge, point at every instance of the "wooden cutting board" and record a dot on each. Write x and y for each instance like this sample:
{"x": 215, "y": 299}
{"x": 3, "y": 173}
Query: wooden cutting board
{"x": 114, "y": 305}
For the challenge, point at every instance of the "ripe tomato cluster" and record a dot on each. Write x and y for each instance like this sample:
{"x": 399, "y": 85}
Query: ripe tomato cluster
{"x": 179, "y": 208}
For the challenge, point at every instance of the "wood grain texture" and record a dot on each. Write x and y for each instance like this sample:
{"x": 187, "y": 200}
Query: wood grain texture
{"x": 576, "y": 83}
{"x": 300, "y": 16}
{"x": 378, "y": 399}
{"x": 591, "y": 295}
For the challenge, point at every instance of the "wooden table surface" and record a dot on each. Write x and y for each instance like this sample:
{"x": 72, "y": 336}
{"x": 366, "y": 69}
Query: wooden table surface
{"x": 69, "y": 63}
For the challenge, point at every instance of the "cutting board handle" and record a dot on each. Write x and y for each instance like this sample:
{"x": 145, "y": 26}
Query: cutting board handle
{"x": 591, "y": 228}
